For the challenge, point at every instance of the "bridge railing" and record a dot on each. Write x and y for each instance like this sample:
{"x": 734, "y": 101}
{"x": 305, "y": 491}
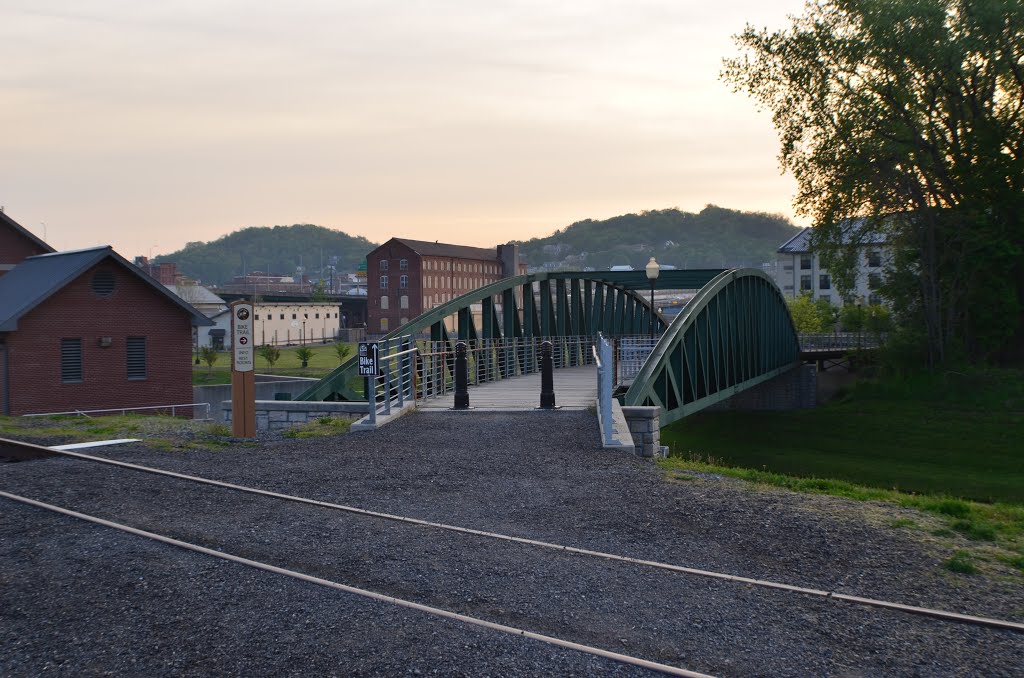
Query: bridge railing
{"x": 492, "y": 360}
{"x": 840, "y": 341}
{"x": 603, "y": 357}
{"x": 395, "y": 383}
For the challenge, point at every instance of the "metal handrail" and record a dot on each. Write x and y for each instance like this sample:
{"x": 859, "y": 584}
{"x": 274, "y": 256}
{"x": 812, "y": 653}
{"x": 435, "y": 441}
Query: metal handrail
{"x": 123, "y": 410}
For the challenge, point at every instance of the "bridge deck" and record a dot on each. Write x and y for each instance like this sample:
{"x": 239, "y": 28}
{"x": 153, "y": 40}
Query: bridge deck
{"x": 575, "y": 388}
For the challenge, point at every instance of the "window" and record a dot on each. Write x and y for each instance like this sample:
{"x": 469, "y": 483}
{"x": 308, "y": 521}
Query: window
{"x": 788, "y": 287}
{"x": 874, "y": 299}
{"x": 874, "y": 280}
{"x": 403, "y": 282}
{"x": 282, "y": 316}
{"x": 824, "y": 282}
{"x": 383, "y": 264}
{"x": 403, "y": 302}
{"x": 294, "y": 316}
{"x": 71, "y": 361}
{"x": 384, "y": 303}
{"x": 136, "y": 348}
{"x": 305, "y": 316}
{"x": 805, "y": 262}
{"x": 787, "y": 267}
{"x": 826, "y": 297}
{"x": 383, "y": 282}
{"x": 316, "y": 315}
{"x": 404, "y": 320}
{"x": 383, "y": 324}
{"x": 874, "y": 259}
{"x": 256, "y": 317}
{"x": 805, "y": 283}
{"x": 403, "y": 265}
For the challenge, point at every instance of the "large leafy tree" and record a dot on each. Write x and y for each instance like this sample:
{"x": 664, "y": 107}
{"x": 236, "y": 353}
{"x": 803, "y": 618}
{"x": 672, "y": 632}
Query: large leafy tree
{"x": 904, "y": 119}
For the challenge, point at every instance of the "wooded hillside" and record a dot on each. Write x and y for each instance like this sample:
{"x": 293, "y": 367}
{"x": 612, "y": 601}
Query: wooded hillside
{"x": 278, "y": 250}
{"x": 714, "y": 238}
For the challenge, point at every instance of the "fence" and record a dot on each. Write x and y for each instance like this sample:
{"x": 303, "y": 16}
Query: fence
{"x": 160, "y": 409}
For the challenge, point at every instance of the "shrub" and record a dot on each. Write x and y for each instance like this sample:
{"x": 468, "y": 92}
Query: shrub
{"x": 270, "y": 353}
{"x": 305, "y": 354}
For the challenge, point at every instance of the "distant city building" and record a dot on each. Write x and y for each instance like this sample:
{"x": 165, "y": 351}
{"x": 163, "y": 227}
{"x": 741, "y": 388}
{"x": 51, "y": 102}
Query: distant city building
{"x": 17, "y": 243}
{"x": 798, "y": 271}
{"x": 166, "y": 273}
{"x": 409, "y": 277}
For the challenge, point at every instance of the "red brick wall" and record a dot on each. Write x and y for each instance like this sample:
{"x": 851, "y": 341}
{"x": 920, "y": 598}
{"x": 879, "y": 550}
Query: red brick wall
{"x": 15, "y": 248}
{"x": 134, "y": 309}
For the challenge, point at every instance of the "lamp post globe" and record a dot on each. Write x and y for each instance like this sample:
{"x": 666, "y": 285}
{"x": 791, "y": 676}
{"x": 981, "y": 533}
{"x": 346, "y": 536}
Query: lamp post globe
{"x": 652, "y": 269}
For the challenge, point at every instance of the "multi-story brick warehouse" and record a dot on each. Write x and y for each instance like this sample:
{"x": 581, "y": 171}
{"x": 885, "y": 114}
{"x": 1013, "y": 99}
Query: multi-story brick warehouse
{"x": 408, "y": 277}
{"x": 87, "y": 330}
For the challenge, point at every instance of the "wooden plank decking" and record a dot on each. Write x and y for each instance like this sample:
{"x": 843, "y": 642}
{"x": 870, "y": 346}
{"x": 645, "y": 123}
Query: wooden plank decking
{"x": 575, "y": 388}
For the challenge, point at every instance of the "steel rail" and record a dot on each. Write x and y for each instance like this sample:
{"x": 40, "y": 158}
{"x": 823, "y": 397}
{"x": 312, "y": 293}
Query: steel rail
{"x": 372, "y": 595}
{"x": 945, "y": 615}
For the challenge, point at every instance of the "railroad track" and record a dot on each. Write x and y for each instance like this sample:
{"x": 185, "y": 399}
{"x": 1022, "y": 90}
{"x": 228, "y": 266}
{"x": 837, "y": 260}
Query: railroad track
{"x": 563, "y": 553}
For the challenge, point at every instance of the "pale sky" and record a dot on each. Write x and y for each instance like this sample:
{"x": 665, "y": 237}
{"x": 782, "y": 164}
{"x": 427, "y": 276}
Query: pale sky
{"x": 145, "y": 125}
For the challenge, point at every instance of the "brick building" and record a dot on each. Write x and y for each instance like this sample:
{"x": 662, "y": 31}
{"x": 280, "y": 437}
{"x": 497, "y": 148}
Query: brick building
{"x": 408, "y": 277}
{"x": 88, "y": 330}
{"x": 17, "y": 244}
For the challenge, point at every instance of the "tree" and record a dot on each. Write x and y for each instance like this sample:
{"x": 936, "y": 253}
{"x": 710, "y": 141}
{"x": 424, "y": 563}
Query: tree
{"x": 209, "y": 356}
{"x": 811, "y": 316}
{"x": 270, "y": 353}
{"x": 343, "y": 350}
{"x": 904, "y": 120}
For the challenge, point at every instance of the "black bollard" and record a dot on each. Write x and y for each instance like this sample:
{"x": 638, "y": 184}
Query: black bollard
{"x": 461, "y": 377}
{"x": 547, "y": 376}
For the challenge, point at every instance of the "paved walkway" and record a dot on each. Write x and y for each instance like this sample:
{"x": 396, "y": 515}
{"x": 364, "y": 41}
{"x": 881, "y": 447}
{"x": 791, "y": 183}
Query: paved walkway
{"x": 575, "y": 388}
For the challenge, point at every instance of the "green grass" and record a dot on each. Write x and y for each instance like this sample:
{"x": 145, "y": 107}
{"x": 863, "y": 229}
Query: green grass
{"x": 324, "y": 360}
{"x": 160, "y": 432}
{"x": 948, "y": 444}
{"x": 319, "y": 428}
{"x": 956, "y": 435}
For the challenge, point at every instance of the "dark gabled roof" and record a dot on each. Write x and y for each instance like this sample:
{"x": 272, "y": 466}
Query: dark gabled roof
{"x": 36, "y": 279}
{"x": 801, "y": 242}
{"x": 27, "y": 234}
{"x": 440, "y": 249}
{"x": 798, "y": 244}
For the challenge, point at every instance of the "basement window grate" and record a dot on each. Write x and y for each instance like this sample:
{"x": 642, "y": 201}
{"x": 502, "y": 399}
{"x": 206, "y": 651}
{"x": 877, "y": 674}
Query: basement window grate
{"x": 71, "y": 361}
{"x": 136, "y": 347}
{"x": 103, "y": 283}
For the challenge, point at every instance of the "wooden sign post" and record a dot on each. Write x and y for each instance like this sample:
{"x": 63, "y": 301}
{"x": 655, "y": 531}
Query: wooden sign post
{"x": 243, "y": 376}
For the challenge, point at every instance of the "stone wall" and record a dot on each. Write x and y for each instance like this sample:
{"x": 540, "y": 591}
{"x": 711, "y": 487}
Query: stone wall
{"x": 793, "y": 390}
{"x": 274, "y": 415}
{"x": 645, "y": 427}
{"x": 267, "y": 386}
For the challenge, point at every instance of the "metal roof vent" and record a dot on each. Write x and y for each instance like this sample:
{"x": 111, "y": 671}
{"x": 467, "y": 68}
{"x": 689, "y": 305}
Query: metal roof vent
{"x": 103, "y": 283}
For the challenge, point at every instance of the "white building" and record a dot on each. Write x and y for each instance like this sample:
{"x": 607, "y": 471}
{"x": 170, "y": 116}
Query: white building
{"x": 284, "y": 323}
{"x": 798, "y": 271}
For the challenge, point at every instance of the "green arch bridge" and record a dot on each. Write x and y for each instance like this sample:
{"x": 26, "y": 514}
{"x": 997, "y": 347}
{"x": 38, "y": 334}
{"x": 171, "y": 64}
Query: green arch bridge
{"x": 735, "y": 333}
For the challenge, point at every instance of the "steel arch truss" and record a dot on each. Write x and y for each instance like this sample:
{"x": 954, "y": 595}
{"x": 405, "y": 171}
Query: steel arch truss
{"x": 736, "y": 333}
{"x": 537, "y": 305}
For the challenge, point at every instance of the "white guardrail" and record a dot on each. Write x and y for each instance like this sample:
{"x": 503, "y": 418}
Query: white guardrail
{"x": 602, "y": 352}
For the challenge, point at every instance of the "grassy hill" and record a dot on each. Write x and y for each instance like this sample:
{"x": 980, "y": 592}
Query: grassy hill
{"x": 280, "y": 249}
{"x": 714, "y": 238}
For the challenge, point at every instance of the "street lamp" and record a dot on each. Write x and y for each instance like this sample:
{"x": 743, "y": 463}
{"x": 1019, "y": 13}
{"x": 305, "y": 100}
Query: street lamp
{"x": 652, "y": 275}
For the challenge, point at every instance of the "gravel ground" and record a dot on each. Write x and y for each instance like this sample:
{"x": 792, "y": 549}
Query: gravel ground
{"x": 78, "y": 599}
